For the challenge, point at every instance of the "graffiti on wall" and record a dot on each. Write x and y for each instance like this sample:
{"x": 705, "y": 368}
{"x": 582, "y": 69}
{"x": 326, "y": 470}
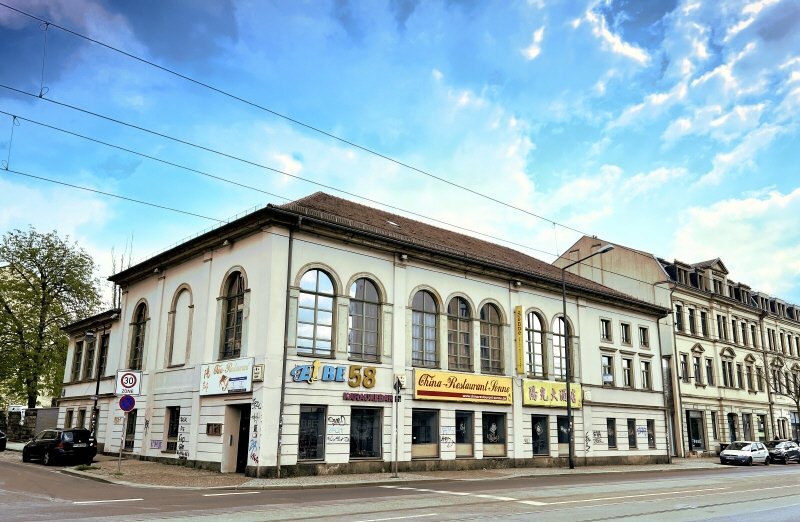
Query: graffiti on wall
{"x": 255, "y": 421}
{"x": 183, "y": 437}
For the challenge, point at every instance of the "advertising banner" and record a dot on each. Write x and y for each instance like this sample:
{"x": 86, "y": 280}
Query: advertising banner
{"x": 550, "y": 394}
{"x": 229, "y": 376}
{"x": 460, "y": 387}
{"x": 519, "y": 334}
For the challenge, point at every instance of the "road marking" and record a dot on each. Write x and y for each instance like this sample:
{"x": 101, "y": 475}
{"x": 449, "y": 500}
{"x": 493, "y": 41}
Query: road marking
{"x": 104, "y": 501}
{"x": 399, "y": 518}
{"x": 495, "y": 497}
{"x": 231, "y": 493}
{"x": 635, "y": 496}
{"x": 532, "y": 502}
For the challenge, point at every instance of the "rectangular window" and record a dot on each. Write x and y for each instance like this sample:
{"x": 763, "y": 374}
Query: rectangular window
{"x": 424, "y": 433}
{"x": 744, "y": 334}
{"x": 679, "y": 318}
{"x": 710, "y": 372}
{"x": 130, "y": 430}
{"x": 77, "y": 359}
{"x": 749, "y": 373}
{"x": 627, "y": 373}
{"x": 644, "y": 367}
{"x": 625, "y": 330}
{"x": 311, "y": 437}
{"x": 644, "y": 337}
{"x": 605, "y": 330}
{"x": 713, "y": 425}
{"x": 692, "y": 327}
{"x": 88, "y": 364}
{"x": 102, "y": 357}
{"x": 783, "y": 342}
{"x": 734, "y": 332}
{"x": 760, "y": 379}
{"x": 651, "y": 433}
{"x": 365, "y": 433}
{"x": 632, "y": 433}
{"x": 173, "y": 424}
{"x": 465, "y": 427}
{"x": 698, "y": 375}
{"x": 68, "y": 419}
{"x": 608, "y": 370}
{"x": 704, "y": 323}
{"x": 753, "y": 335}
{"x": 81, "y": 419}
{"x": 739, "y": 376}
{"x": 727, "y": 374}
{"x": 611, "y": 428}
{"x": 684, "y": 367}
{"x": 722, "y": 329}
{"x": 494, "y": 434}
{"x": 541, "y": 435}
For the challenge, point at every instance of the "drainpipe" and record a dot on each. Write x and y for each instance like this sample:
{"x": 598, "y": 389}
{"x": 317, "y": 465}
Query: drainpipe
{"x": 677, "y": 394}
{"x": 761, "y": 318}
{"x": 285, "y": 346}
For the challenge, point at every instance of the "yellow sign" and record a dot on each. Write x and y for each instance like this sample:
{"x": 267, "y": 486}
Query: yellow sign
{"x": 519, "y": 331}
{"x": 460, "y": 387}
{"x": 550, "y": 394}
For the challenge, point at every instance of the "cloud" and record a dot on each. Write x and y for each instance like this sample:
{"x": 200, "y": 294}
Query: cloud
{"x": 534, "y": 49}
{"x": 740, "y": 231}
{"x": 653, "y": 106}
{"x": 645, "y": 182}
{"x": 614, "y": 42}
{"x": 714, "y": 122}
{"x": 741, "y": 156}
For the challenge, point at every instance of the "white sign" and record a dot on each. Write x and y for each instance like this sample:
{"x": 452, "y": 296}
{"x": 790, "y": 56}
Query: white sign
{"x": 229, "y": 376}
{"x": 129, "y": 382}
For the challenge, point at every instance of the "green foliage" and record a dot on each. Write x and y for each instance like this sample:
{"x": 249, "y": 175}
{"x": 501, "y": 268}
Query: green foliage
{"x": 46, "y": 282}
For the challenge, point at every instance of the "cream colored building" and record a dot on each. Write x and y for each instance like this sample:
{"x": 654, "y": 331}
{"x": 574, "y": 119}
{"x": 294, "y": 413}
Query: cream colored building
{"x": 275, "y": 342}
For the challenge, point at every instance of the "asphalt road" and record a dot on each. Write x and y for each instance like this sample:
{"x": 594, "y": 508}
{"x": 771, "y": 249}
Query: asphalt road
{"x": 32, "y": 492}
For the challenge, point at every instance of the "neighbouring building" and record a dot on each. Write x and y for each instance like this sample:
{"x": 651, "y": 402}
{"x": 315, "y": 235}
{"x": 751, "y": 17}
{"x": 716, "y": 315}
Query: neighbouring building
{"x": 326, "y": 336}
{"x": 732, "y": 353}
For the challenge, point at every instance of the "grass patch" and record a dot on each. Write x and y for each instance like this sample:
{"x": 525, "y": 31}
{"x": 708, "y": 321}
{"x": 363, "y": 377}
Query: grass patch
{"x": 84, "y": 467}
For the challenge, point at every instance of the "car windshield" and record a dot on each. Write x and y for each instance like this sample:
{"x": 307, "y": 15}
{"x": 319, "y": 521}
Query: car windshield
{"x": 739, "y": 446}
{"x": 776, "y": 445}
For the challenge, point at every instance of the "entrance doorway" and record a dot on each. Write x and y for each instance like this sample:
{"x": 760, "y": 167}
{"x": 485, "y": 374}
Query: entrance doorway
{"x": 244, "y": 438}
{"x": 694, "y": 420}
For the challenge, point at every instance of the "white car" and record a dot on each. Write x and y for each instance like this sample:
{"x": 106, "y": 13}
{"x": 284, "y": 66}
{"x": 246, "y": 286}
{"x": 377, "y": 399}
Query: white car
{"x": 745, "y": 452}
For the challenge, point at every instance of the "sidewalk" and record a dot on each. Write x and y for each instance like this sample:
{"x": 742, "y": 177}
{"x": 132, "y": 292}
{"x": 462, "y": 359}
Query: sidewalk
{"x": 150, "y": 474}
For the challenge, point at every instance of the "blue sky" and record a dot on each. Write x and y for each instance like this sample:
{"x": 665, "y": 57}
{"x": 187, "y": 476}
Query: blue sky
{"x": 671, "y": 127}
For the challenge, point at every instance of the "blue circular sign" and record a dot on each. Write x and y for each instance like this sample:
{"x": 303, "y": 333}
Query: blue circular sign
{"x": 127, "y": 403}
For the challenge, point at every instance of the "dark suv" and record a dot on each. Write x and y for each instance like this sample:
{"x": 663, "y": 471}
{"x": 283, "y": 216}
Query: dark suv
{"x": 53, "y": 445}
{"x": 783, "y": 451}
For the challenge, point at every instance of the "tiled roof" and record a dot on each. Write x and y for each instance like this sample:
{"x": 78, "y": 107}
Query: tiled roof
{"x": 327, "y": 208}
{"x": 706, "y": 264}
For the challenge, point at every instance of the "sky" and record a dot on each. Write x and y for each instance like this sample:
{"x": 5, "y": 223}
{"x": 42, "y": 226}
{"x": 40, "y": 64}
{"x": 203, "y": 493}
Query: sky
{"x": 666, "y": 126}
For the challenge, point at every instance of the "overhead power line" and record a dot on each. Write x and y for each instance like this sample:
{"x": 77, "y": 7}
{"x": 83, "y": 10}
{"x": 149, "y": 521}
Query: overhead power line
{"x": 287, "y": 118}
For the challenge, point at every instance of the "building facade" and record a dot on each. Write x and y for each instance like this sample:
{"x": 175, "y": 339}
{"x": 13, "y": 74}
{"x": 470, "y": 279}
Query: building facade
{"x": 325, "y": 336}
{"x": 732, "y": 353}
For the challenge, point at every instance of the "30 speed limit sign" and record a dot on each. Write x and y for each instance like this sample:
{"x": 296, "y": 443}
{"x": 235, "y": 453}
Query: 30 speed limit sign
{"x": 129, "y": 382}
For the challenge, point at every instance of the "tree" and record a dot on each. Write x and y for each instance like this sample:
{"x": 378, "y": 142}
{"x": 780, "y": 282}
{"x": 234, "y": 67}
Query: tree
{"x": 785, "y": 382}
{"x": 46, "y": 282}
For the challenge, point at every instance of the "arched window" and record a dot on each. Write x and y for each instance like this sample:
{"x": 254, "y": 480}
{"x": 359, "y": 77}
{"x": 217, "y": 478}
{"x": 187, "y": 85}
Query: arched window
{"x": 459, "y": 347}
{"x": 363, "y": 321}
{"x": 534, "y": 338}
{"x": 137, "y": 340}
{"x": 491, "y": 340}
{"x": 234, "y": 314}
{"x": 423, "y": 330}
{"x": 315, "y": 314}
{"x": 560, "y": 348}
{"x": 181, "y": 323}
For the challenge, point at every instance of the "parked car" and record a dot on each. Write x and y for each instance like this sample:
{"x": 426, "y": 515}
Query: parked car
{"x": 783, "y": 451}
{"x": 56, "y": 445}
{"x": 2, "y": 441}
{"x": 745, "y": 452}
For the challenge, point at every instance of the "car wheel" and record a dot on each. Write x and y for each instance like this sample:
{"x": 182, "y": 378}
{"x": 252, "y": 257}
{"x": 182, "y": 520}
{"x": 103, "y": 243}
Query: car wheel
{"x": 766, "y": 461}
{"x": 750, "y": 461}
{"x": 26, "y": 457}
{"x": 47, "y": 459}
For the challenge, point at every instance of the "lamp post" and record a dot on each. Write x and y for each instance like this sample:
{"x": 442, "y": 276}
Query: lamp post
{"x": 90, "y": 336}
{"x": 568, "y": 366}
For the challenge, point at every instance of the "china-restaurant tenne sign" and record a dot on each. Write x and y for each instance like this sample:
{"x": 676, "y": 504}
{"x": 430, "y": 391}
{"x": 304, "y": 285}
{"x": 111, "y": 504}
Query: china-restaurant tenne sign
{"x": 550, "y": 394}
{"x": 460, "y": 387}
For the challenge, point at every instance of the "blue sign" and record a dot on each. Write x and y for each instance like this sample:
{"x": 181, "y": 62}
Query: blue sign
{"x": 127, "y": 403}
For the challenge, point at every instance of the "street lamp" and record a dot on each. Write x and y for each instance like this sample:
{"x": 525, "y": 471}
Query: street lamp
{"x": 89, "y": 337}
{"x": 570, "y": 431}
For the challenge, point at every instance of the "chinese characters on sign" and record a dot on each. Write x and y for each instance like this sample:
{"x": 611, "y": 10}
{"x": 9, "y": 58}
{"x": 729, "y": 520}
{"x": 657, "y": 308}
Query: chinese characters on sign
{"x": 550, "y": 394}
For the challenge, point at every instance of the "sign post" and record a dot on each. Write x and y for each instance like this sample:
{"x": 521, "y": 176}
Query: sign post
{"x": 126, "y": 404}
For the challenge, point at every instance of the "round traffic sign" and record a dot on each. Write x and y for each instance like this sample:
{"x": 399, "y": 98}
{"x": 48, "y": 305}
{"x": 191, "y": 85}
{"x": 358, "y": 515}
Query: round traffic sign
{"x": 128, "y": 380}
{"x": 127, "y": 403}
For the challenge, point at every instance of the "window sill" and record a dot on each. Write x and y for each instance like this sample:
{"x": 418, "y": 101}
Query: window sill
{"x": 363, "y": 360}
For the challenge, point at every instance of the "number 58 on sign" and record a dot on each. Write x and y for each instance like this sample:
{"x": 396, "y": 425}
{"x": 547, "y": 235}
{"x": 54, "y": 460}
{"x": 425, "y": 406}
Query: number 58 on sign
{"x": 129, "y": 382}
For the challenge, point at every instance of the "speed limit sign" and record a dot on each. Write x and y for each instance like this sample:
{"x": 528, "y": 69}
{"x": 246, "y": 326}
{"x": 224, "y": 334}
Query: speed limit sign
{"x": 129, "y": 382}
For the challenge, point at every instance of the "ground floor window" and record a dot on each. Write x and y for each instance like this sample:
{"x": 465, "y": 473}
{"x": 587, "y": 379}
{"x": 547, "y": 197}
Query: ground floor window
{"x": 311, "y": 439}
{"x": 651, "y": 433}
{"x": 68, "y": 419}
{"x": 632, "y": 433}
{"x": 365, "y": 432}
{"x": 562, "y": 427}
{"x": 713, "y": 416}
{"x": 494, "y": 434}
{"x": 81, "y": 419}
{"x": 424, "y": 433}
{"x": 762, "y": 428}
{"x": 130, "y": 430}
{"x": 173, "y": 421}
{"x": 732, "y": 431}
{"x": 783, "y": 428}
{"x": 696, "y": 431}
{"x": 465, "y": 426}
{"x": 541, "y": 435}
{"x": 611, "y": 428}
{"x": 747, "y": 426}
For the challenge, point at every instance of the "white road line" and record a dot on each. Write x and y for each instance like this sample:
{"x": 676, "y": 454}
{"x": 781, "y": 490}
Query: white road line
{"x": 105, "y": 501}
{"x": 231, "y": 493}
{"x": 459, "y": 493}
{"x": 635, "y": 496}
{"x": 495, "y": 497}
{"x": 398, "y": 518}
{"x": 532, "y": 502}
